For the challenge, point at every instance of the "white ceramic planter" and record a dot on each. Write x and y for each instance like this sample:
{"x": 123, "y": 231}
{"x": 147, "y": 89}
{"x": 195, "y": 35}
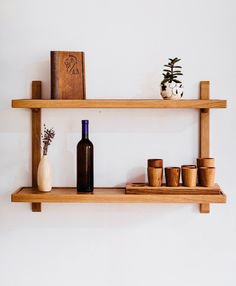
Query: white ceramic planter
{"x": 172, "y": 90}
{"x": 44, "y": 178}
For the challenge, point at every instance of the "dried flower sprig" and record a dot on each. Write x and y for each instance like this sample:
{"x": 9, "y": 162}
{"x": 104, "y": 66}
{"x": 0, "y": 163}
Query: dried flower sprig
{"x": 47, "y": 136}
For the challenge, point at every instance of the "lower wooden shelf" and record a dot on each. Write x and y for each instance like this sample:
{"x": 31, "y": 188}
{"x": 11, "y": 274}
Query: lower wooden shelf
{"x": 117, "y": 195}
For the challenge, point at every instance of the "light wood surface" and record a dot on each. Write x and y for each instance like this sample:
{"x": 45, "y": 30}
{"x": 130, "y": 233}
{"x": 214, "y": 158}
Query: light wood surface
{"x": 189, "y": 176}
{"x": 155, "y": 176}
{"x": 172, "y": 176}
{"x": 118, "y": 103}
{"x": 204, "y": 146}
{"x": 109, "y": 195}
{"x": 67, "y": 78}
{"x": 36, "y": 139}
{"x": 204, "y": 121}
{"x": 206, "y": 176}
{"x": 204, "y": 208}
{"x": 144, "y": 188}
{"x": 156, "y": 163}
{"x": 206, "y": 162}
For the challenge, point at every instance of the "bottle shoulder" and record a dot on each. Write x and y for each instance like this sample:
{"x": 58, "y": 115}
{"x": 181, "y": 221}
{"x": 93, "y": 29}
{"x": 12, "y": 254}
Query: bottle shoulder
{"x": 86, "y": 142}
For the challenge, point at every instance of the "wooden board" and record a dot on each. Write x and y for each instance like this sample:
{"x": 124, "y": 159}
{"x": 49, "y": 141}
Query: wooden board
{"x": 204, "y": 150}
{"x": 36, "y": 139}
{"x": 109, "y": 195}
{"x": 118, "y": 103}
{"x": 67, "y": 75}
{"x": 204, "y": 144}
{"x": 143, "y": 188}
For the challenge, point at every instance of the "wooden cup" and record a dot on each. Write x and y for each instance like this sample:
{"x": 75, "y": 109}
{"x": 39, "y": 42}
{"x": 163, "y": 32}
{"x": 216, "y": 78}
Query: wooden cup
{"x": 156, "y": 163}
{"x": 205, "y": 162}
{"x": 206, "y": 176}
{"x": 154, "y": 176}
{"x": 188, "y": 166}
{"x": 189, "y": 175}
{"x": 172, "y": 176}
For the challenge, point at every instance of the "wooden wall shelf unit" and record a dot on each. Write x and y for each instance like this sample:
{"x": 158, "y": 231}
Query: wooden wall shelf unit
{"x": 199, "y": 195}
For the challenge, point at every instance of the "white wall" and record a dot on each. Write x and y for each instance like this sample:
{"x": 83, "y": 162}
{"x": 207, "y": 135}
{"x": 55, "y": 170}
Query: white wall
{"x": 126, "y": 44}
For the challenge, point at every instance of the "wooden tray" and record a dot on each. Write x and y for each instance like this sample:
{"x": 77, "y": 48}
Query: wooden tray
{"x": 144, "y": 188}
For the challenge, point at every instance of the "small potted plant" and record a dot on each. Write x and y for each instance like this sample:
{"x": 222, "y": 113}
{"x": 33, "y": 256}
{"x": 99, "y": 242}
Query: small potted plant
{"x": 44, "y": 177}
{"x": 171, "y": 86}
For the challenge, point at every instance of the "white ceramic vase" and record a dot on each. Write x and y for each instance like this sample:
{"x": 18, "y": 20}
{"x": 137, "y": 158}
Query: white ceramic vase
{"x": 172, "y": 90}
{"x": 44, "y": 178}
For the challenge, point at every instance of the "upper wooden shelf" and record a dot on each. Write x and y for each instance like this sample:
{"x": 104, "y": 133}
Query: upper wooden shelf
{"x": 118, "y": 103}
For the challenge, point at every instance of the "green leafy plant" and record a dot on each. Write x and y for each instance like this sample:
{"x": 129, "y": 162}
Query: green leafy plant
{"x": 171, "y": 72}
{"x": 47, "y": 136}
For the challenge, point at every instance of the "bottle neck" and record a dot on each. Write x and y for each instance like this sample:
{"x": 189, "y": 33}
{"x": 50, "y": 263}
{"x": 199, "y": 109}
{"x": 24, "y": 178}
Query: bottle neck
{"x": 85, "y": 134}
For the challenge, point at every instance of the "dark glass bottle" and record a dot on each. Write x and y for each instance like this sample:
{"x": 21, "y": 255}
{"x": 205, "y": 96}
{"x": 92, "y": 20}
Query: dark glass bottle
{"x": 85, "y": 161}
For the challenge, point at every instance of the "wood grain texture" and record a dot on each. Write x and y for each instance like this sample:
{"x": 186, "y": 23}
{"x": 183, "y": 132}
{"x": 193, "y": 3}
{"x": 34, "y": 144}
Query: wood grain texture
{"x": 156, "y": 163}
{"x": 84, "y": 77}
{"x": 109, "y": 195}
{"x": 36, "y": 139}
{"x": 118, "y": 103}
{"x": 205, "y": 208}
{"x": 155, "y": 176}
{"x": 204, "y": 146}
{"x": 205, "y": 162}
{"x": 143, "y": 188}
{"x": 67, "y": 75}
{"x": 172, "y": 176}
{"x": 206, "y": 176}
{"x": 204, "y": 121}
{"x": 189, "y": 176}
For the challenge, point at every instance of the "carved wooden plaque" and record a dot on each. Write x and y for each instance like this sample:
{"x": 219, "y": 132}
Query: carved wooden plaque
{"x": 67, "y": 75}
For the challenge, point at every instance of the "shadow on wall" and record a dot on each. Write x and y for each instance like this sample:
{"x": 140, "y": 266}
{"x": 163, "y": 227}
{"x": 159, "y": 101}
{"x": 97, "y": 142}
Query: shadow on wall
{"x": 136, "y": 175}
{"x": 43, "y": 74}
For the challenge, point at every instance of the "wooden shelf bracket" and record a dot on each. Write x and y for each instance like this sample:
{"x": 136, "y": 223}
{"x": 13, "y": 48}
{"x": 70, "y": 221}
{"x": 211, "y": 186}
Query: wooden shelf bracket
{"x": 204, "y": 144}
{"x": 36, "y": 139}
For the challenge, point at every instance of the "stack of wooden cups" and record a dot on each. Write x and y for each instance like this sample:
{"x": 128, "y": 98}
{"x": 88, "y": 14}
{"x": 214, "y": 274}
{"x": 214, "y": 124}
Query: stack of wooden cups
{"x": 206, "y": 172}
{"x": 155, "y": 172}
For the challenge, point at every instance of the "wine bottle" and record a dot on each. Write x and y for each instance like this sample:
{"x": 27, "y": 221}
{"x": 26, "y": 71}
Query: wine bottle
{"x": 85, "y": 161}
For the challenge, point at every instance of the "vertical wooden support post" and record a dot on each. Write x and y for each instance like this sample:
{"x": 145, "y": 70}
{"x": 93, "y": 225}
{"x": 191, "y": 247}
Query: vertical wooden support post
{"x": 36, "y": 139}
{"x": 204, "y": 146}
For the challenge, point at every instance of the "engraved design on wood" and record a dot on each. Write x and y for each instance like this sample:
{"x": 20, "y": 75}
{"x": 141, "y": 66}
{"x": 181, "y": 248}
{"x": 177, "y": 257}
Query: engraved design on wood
{"x": 71, "y": 64}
